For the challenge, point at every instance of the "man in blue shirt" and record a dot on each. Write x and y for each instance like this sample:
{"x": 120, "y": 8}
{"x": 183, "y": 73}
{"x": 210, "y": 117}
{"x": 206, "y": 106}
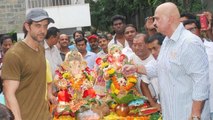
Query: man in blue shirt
{"x": 88, "y": 56}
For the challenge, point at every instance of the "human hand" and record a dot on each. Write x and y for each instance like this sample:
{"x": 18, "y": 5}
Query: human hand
{"x": 209, "y": 19}
{"x": 53, "y": 99}
{"x": 129, "y": 69}
{"x": 158, "y": 106}
{"x": 194, "y": 118}
{"x": 149, "y": 23}
{"x": 208, "y": 15}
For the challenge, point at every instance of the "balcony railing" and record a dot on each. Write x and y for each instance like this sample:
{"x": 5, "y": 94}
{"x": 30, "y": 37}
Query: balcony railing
{"x": 49, "y": 3}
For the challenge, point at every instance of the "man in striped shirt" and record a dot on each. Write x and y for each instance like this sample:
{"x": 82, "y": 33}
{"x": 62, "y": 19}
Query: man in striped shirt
{"x": 182, "y": 68}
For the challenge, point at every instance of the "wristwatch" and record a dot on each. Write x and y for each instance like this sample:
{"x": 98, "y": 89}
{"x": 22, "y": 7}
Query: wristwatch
{"x": 195, "y": 118}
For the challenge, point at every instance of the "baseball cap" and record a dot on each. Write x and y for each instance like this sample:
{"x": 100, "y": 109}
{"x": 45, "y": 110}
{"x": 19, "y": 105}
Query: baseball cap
{"x": 92, "y": 37}
{"x": 38, "y": 14}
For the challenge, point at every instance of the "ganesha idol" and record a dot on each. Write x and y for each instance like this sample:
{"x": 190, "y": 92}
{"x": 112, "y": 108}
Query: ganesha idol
{"x": 111, "y": 70}
{"x": 116, "y": 58}
{"x": 74, "y": 81}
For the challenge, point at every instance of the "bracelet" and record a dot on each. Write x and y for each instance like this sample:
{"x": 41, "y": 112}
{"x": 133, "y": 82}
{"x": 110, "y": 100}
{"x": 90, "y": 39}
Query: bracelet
{"x": 195, "y": 118}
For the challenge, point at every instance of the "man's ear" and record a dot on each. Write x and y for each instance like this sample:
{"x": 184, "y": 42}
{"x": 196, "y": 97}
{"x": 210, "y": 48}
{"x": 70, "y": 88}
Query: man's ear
{"x": 172, "y": 18}
{"x": 51, "y": 37}
{"x": 27, "y": 26}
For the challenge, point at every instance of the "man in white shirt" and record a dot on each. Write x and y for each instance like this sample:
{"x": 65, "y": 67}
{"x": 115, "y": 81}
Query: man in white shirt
{"x": 52, "y": 53}
{"x": 130, "y": 31}
{"x": 103, "y": 43}
{"x": 194, "y": 26}
{"x": 154, "y": 44}
{"x": 148, "y": 86}
{"x": 64, "y": 42}
{"x": 209, "y": 50}
{"x": 118, "y": 25}
{"x": 182, "y": 68}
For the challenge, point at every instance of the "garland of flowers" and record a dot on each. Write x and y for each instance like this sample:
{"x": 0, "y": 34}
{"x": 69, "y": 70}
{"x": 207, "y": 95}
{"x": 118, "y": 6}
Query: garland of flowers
{"x": 113, "y": 75}
{"x": 76, "y": 83}
{"x": 116, "y": 87}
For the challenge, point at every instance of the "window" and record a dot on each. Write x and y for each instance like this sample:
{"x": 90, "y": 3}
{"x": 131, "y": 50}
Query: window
{"x": 48, "y": 3}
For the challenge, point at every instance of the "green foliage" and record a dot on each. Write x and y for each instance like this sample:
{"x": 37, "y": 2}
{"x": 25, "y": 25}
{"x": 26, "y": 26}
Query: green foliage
{"x": 126, "y": 98}
{"x": 155, "y": 116}
{"x": 192, "y": 6}
{"x": 154, "y": 3}
{"x": 196, "y": 6}
{"x": 103, "y": 10}
{"x": 12, "y": 32}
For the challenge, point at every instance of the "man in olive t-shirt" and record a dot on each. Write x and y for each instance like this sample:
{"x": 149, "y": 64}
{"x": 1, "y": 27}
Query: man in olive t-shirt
{"x": 24, "y": 70}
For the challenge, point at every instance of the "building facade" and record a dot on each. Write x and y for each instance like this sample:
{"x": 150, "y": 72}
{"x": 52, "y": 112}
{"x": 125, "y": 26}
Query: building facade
{"x": 12, "y": 15}
{"x": 12, "y": 12}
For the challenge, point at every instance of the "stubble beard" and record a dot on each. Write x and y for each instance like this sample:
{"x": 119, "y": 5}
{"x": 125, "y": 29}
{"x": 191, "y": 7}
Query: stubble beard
{"x": 36, "y": 39}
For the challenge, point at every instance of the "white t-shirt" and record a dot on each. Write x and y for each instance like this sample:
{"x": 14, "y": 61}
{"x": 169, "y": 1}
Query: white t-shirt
{"x": 114, "y": 41}
{"x": 153, "y": 82}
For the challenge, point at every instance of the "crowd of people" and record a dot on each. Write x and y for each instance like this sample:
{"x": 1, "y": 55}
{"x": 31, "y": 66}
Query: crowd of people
{"x": 173, "y": 60}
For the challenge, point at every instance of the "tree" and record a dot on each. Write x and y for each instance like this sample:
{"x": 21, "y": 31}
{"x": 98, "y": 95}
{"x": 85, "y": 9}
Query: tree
{"x": 134, "y": 10}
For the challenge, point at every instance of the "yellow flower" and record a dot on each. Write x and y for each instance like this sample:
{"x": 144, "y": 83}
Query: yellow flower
{"x": 64, "y": 118}
{"x": 104, "y": 64}
{"x": 160, "y": 118}
{"x": 132, "y": 79}
{"x": 113, "y": 105}
{"x": 90, "y": 77}
{"x": 66, "y": 75}
{"x": 114, "y": 90}
{"x": 111, "y": 71}
{"x": 75, "y": 95}
{"x": 111, "y": 116}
